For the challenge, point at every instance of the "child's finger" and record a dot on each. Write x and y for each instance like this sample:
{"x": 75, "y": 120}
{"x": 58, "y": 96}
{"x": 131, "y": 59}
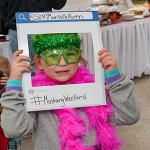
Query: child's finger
{"x": 17, "y": 57}
{"x": 5, "y": 75}
{"x": 107, "y": 64}
{"x": 24, "y": 64}
{"x": 3, "y": 82}
{"x": 25, "y": 69}
{"x": 104, "y": 55}
{"x": 23, "y": 58}
{"x": 4, "y": 78}
{"x": 17, "y": 53}
{"x": 102, "y": 51}
{"x": 107, "y": 59}
{"x": 20, "y": 70}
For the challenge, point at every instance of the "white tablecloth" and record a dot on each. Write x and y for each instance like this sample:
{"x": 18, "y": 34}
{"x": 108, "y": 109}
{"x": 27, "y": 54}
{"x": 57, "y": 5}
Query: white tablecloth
{"x": 130, "y": 43}
{"x": 4, "y": 50}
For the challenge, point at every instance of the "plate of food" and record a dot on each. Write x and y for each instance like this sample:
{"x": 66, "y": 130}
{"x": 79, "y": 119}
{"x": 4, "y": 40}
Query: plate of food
{"x": 128, "y": 17}
{"x": 136, "y": 12}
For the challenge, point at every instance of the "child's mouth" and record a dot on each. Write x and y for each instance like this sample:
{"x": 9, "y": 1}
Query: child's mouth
{"x": 62, "y": 71}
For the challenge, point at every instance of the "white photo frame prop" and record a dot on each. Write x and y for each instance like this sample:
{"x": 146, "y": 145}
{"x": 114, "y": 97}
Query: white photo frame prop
{"x": 61, "y": 96}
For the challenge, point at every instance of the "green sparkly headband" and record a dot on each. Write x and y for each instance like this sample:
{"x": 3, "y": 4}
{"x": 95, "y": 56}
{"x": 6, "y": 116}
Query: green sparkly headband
{"x": 49, "y": 42}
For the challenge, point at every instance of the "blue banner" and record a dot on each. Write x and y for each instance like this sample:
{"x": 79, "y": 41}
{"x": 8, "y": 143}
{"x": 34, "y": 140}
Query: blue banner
{"x": 62, "y": 16}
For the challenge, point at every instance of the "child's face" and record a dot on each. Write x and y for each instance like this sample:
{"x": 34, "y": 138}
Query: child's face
{"x": 61, "y": 72}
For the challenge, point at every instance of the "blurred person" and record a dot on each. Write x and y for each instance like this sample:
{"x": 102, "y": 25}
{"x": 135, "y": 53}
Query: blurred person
{"x": 4, "y": 73}
{"x": 8, "y": 8}
{"x": 6, "y": 144}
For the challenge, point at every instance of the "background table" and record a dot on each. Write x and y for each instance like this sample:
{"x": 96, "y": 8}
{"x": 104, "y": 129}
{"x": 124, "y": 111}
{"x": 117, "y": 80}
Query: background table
{"x": 130, "y": 43}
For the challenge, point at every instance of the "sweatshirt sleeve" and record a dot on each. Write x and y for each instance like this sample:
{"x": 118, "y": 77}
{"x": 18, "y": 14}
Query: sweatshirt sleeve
{"x": 15, "y": 121}
{"x": 58, "y": 4}
{"x": 121, "y": 92}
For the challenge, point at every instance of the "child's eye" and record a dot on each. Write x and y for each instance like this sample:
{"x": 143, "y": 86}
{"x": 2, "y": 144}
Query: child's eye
{"x": 52, "y": 55}
{"x": 70, "y": 54}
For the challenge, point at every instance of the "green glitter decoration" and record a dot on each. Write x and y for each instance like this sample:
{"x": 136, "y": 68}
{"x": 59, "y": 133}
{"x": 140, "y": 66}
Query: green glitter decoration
{"x": 49, "y": 42}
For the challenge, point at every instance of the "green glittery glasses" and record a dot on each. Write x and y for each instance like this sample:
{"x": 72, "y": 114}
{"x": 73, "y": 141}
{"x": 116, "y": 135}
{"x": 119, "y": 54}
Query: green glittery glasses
{"x": 53, "y": 57}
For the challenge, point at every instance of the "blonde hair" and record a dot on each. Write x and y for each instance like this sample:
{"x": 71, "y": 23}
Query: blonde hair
{"x": 4, "y": 65}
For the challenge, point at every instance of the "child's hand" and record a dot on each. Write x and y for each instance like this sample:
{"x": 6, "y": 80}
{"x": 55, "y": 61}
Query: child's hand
{"x": 4, "y": 79}
{"x": 107, "y": 60}
{"x": 19, "y": 65}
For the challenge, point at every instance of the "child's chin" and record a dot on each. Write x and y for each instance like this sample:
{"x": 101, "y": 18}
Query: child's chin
{"x": 62, "y": 80}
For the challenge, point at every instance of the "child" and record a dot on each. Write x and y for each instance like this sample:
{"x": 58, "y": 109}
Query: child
{"x": 5, "y": 144}
{"x": 4, "y": 72}
{"x": 3, "y": 81}
{"x": 88, "y": 128}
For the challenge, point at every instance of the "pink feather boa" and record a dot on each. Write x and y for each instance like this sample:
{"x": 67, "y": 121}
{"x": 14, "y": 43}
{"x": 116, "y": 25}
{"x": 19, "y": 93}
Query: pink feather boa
{"x": 72, "y": 128}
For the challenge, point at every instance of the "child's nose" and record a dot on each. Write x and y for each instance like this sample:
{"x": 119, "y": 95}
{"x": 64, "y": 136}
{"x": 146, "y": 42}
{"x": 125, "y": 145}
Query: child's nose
{"x": 62, "y": 61}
